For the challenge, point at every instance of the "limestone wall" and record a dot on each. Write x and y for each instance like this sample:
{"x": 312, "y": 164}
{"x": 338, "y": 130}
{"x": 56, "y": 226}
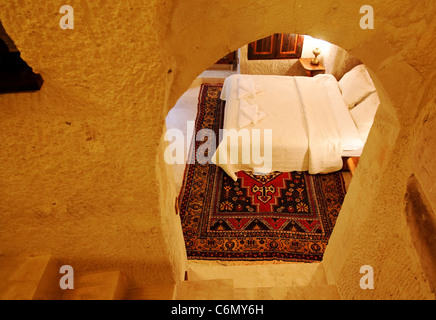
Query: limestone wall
{"x": 81, "y": 168}
{"x": 81, "y": 174}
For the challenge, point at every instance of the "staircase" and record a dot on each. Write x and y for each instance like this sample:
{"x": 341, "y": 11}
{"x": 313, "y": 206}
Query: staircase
{"x": 27, "y": 278}
{"x": 297, "y": 281}
{"x": 37, "y": 277}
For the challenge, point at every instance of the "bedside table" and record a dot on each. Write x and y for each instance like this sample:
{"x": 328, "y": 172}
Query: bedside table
{"x": 311, "y": 70}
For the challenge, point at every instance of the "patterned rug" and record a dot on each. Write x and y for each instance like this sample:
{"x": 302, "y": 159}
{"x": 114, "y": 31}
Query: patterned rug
{"x": 280, "y": 216}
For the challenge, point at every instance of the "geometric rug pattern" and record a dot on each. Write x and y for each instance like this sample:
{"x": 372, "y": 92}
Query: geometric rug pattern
{"x": 287, "y": 216}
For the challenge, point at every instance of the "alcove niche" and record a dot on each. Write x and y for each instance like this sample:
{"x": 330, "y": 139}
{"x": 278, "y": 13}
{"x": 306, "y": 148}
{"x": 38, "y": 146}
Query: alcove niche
{"x": 15, "y": 73}
{"x": 422, "y": 225}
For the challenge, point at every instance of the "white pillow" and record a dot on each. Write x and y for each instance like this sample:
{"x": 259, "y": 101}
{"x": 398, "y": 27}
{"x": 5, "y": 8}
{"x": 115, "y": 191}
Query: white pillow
{"x": 356, "y": 85}
{"x": 363, "y": 114}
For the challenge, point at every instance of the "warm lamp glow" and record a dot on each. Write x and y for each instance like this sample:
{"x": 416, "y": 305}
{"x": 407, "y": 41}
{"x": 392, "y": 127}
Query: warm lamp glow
{"x": 315, "y": 60}
{"x": 312, "y": 44}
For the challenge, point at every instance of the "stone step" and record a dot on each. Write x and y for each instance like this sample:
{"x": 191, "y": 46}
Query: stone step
{"x": 8, "y": 265}
{"x": 109, "y": 285}
{"x": 164, "y": 292}
{"x": 326, "y": 292}
{"x": 265, "y": 275}
{"x": 218, "y": 289}
{"x": 27, "y": 278}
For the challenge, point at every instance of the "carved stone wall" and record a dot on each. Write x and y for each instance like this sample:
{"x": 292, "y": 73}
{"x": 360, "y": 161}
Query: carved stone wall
{"x": 82, "y": 174}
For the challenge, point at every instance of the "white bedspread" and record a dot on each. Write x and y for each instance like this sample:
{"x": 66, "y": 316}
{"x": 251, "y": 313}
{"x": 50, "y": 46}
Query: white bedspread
{"x": 322, "y": 130}
{"x": 298, "y": 110}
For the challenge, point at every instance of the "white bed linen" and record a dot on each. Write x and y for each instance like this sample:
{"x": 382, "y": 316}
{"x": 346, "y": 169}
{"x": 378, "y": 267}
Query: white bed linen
{"x": 300, "y": 143}
{"x": 325, "y": 145}
{"x": 249, "y": 113}
{"x": 364, "y": 114}
{"x": 350, "y": 135}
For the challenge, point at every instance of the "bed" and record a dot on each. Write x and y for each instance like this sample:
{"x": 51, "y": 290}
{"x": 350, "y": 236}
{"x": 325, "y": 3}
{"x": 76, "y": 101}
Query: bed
{"x": 285, "y": 124}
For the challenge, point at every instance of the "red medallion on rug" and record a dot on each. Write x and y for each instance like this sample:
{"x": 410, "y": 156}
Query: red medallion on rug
{"x": 280, "y": 216}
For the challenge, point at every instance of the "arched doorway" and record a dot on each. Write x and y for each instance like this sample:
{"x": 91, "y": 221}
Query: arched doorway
{"x": 182, "y": 39}
{"x": 340, "y": 25}
{"x": 337, "y": 61}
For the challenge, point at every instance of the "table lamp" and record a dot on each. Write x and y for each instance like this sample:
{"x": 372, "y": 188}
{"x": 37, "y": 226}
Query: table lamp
{"x": 315, "y": 60}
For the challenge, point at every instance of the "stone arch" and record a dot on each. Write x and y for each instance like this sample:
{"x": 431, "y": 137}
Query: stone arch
{"x": 386, "y": 116}
{"x": 394, "y": 68}
{"x": 122, "y": 105}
